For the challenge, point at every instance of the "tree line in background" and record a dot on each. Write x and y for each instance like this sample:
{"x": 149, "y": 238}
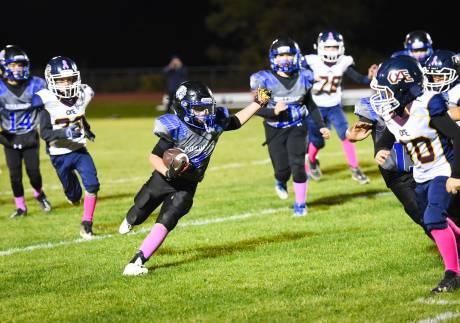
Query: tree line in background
{"x": 245, "y": 29}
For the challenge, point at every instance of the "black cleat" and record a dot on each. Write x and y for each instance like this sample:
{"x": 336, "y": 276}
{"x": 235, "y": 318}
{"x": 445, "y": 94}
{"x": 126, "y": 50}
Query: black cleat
{"x": 449, "y": 283}
{"x": 45, "y": 205}
{"x": 86, "y": 230}
{"x": 18, "y": 213}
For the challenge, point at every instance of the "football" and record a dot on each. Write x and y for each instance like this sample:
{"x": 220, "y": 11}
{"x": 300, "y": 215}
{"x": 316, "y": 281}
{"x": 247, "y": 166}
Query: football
{"x": 176, "y": 156}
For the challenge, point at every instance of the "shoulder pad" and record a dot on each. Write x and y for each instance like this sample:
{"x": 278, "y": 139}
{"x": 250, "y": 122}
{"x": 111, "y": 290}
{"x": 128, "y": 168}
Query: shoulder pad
{"x": 46, "y": 96}
{"x": 37, "y": 84}
{"x": 259, "y": 79}
{"x": 347, "y": 61}
{"x": 311, "y": 59}
{"x": 169, "y": 127}
{"x": 437, "y": 105}
{"x": 364, "y": 109}
{"x": 307, "y": 76}
{"x": 88, "y": 90}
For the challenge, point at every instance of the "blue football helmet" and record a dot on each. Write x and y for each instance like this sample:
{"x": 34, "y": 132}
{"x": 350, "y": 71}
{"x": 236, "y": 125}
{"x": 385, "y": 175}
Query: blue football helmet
{"x": 419, "y": 45}
{"x": 398, "y": 82}
{"x": 281, "y": 46}
{"x": 63, "y": 77}
{"x": 441, "y": 69}
{"x": 195, "y": 105}
{"x": 13, "y": 54}
{"x": 336, "y": 47}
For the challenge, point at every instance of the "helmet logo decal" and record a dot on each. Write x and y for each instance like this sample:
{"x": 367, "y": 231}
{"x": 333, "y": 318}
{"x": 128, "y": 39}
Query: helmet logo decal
{"x": 65, "y": 65}
{"x": 435, "y": 60}
{"x": 395, "y": 76}
{"x": 417, "y": 44}
{"x": 207, "y": 100}
{"x": 283, "y": 49}
{"x": 181, "y": 91}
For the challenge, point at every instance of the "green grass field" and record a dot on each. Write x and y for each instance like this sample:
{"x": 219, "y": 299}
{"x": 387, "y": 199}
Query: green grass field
{"x": 239, "y": 255}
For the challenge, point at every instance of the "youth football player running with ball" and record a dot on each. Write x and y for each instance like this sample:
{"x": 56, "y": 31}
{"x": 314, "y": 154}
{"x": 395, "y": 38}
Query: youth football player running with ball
{"x": 194, "y": 128}
{"x": 419, "y": 120}
{"x": 285, "y": 118}
{"x": 64, "y": 128}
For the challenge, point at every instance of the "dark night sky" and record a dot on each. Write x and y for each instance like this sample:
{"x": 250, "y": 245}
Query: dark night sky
{"x": 146, "y": 33}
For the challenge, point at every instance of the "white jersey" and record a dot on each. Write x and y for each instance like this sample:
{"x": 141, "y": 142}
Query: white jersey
{"x": 429, "y": 152}
{"x": 453, "y": 95}
{"x": 327, "y": 89}
{"x": 62, "y": 116}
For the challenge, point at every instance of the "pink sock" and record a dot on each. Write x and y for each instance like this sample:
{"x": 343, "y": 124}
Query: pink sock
{"x": 300, "y": 190}
{"x": 447, "y": 246}
{"x": 350, "y": 153}
{"x": 154, "y": 240}
{"x": 20, "y": 203}
{"x": 312, "y": 152}
{"x": 36, "y": 193}
{"x": 89, "y": 204}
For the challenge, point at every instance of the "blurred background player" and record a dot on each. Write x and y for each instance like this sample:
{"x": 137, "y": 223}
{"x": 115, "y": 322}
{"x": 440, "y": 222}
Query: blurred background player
{"x": 442, "y": 70}
{"x": 328, "y": 66}
{"x": 19, "y": 121}
{"x": 195, "y": 128}
{"x": 64, "y": 127}
{"x": 285, "y": 117}
{"x": 174, "y": 73}
{"x": 419, "y": 120}
{"x": 418, "y": 44}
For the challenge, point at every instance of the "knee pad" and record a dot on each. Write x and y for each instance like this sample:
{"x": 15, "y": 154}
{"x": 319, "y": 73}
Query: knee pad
{"x": 283, "y": 175}
{"x": 318, "y": 142}
{"x": 298, "y": 173}
{"x": 137, "y": 214}
{"x": 174, "y": 207}
{"x": 93, "y": 189}
{"x": 434, "y": 218}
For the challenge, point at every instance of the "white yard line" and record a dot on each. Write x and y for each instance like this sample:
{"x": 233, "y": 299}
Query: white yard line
{"x": 437, "y": 301}
{"x": 441, "y": 317}
{"x": 52, "y": 245}
{"x": 211, "y": 169}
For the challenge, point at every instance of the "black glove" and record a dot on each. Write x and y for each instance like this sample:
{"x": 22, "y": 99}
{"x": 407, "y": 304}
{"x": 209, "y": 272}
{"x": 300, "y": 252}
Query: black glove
{"x": 73, "y": 132}
{"x": 88, "y": 133}
{"x": 172, "y": 172}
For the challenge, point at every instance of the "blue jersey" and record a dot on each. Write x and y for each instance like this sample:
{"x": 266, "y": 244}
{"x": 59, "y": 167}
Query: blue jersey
{"x": 294, "y": 97}
{"x": 17, "y": 113}
{"x": 198, "y": 145}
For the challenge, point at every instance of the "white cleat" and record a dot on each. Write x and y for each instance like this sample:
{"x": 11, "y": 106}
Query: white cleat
{"x": 135, "y": 269}
{"x": 125, "y": 227}
{"x": 281, "y": 190}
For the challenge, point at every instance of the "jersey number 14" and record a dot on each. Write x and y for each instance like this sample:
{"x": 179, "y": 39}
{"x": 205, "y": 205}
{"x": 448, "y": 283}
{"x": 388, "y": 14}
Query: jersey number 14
{"x": 25, "y": 122}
